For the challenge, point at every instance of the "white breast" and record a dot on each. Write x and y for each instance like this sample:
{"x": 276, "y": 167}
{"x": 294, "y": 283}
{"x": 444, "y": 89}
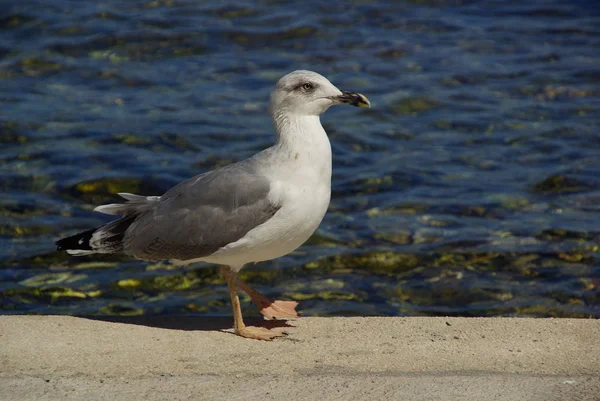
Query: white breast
{"x": 302, "y": 210}
{"x": 299, "y": 168}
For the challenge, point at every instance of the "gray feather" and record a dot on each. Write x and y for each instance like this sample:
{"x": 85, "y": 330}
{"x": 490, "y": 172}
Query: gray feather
{"x": 135, "y": 204}
{"x": 198, "y": 216}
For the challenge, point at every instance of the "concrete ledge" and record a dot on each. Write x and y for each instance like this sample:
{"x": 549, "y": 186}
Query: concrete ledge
{"x": 191, "y": 358}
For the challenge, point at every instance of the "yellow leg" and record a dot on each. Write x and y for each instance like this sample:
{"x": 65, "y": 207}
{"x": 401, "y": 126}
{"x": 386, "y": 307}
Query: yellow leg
{"x": 257, "y": 333}
{"x": 271, "y": 309}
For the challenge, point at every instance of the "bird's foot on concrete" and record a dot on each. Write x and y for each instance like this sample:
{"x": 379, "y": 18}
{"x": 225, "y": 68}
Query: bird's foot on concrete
{"x": 258, "y": 333}
{"x": 278, "y": 309}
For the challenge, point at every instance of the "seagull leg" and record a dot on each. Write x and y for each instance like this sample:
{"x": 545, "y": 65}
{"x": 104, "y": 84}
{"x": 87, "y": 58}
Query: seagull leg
{"x": 271, "y": 309}
{"x": 257, "y": 333}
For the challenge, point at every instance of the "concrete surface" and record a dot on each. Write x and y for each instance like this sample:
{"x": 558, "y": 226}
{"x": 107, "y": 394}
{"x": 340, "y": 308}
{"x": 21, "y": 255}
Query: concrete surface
{"x": 192, "y": 358}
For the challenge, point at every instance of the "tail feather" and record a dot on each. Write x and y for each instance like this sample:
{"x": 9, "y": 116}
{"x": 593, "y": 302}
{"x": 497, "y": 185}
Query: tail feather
{"x": 109, "y": 237}
{"x": 104, "y": 239}
{"x": 134, "y": 203}
{"x": 115, "y": 209}
{"x": 138, "y": 198}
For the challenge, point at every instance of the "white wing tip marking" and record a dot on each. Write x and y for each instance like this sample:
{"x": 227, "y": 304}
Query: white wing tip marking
{"x": 78, "y": 252}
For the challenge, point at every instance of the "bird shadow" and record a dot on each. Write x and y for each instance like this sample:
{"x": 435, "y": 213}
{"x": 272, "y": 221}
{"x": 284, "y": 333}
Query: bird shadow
{"x": 189, "y": 323}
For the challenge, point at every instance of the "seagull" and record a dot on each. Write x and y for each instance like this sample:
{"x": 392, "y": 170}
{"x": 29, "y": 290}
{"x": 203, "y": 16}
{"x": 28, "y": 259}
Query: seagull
{"x": 254, "y": 210}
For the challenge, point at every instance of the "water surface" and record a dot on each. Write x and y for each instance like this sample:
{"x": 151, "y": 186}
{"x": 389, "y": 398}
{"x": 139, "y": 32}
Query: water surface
{"x": 472, "y": 187}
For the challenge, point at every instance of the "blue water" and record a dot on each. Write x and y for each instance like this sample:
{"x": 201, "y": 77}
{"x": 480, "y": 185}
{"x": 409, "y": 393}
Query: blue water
{"x": 472, "y": 187}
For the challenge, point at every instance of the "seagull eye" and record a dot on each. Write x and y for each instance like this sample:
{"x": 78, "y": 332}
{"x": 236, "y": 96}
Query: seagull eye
{"x": 307, "y": 86}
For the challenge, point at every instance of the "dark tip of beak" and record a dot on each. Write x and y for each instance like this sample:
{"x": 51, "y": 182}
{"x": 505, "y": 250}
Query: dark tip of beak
{"x": 353, "y": 98}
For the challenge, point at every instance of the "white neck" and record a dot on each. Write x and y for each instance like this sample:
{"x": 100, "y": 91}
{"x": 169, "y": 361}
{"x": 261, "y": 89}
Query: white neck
{"x": 302, "y": 140}
{"x": 301, "y": 133}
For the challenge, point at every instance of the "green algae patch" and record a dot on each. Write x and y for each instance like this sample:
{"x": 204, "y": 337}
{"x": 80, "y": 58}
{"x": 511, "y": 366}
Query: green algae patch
{"x": 14, "y": 21}
{"x": 540, "y": 310}
{"x": 16, "y": 209}
{"x": 36, "y": 66}
{"x": 48, "y": 279}
{"x": 386, "y": 262}
{"x": 399, "y": 209}
{"x": 58, "y": 293}
{"x": 132, "y": 139}
{"x": 197, "y": 308}
{"x": 399, "y": 238}
{"x": 414, "y": 105}
{"x": 175, "y": 283}
{"x": 234, "y": 12}
{"x": 557, "y": 234}
{"x": 10, "y": 132}
{"x": 159, "y": 284}
{"x": 162, "y": 143}
{"x": 48, "y": 295}
{"x": 105, "y": 190}
{"x": 259, "y": 276}
{"x": 325, "y": 296}
{"x": 560, "y": 184}
{"x": 448, "y": 283}
{"x": 110, "y": 185}
{"x": 129, "y": 283}
{"x": 94, "y": 265}
{"x": 24, "y": 231}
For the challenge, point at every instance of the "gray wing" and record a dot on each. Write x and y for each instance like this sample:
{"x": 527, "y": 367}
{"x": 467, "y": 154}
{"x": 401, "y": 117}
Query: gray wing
{"x": 198, "y": 216}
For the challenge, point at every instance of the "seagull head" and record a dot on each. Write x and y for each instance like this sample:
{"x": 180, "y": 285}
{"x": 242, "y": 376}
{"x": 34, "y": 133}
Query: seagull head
{"x": 305, "y": 92}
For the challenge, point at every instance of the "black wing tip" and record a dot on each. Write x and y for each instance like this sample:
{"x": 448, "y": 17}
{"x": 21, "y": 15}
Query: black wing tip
{"x": 80, "y": 241}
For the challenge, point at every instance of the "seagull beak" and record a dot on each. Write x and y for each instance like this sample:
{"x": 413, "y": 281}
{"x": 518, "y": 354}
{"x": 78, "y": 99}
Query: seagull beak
{"x": 353, "y": 98}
